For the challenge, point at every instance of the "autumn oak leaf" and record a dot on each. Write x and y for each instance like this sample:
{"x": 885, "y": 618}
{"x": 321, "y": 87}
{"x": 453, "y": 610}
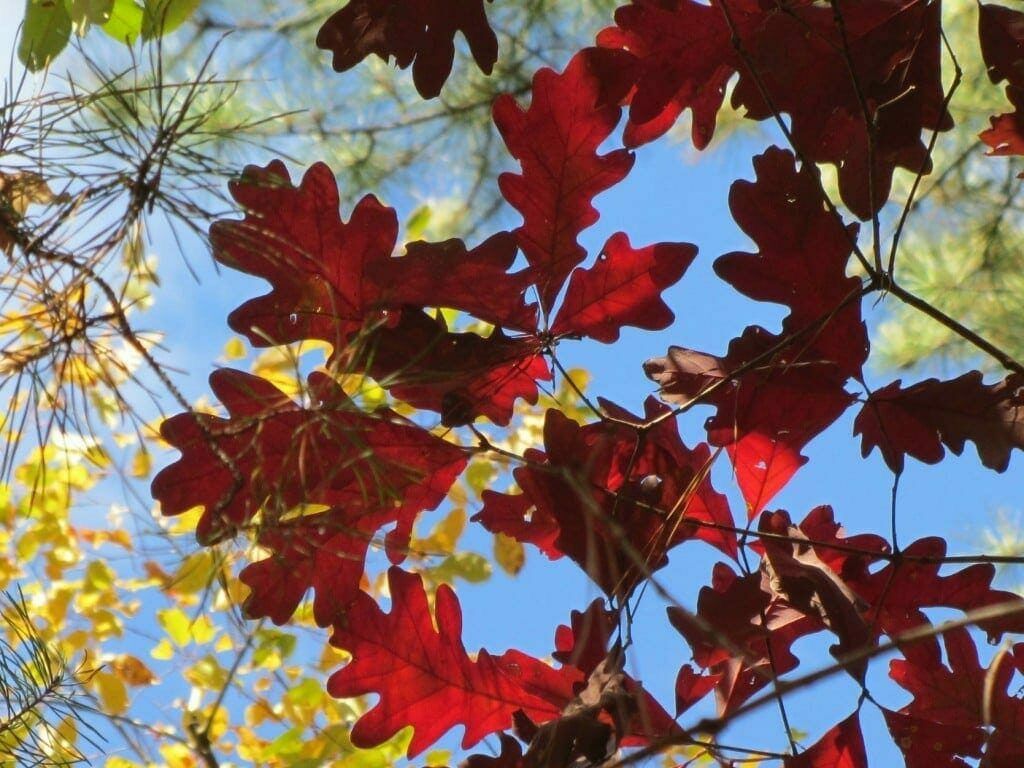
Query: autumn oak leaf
{"x": 841, "y": 747}
{"x": 609, "y": 496}
{"x": 919, "y": 420}
{"x": 417, "y": 32}
{"x": 426, "y": 679}
{"x": 555, "y": 141}
{"x": 272, "y": 455}
{"x": 1001, "y": 33}
{"x": 885, "y": 54}
{"x": 622, "y": 288}
{"x": 332, "y": 279}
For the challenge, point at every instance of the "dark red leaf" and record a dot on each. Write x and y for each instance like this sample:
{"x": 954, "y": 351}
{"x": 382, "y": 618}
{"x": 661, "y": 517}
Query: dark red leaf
{"x": 920, "y": 419}
{"x": 802, "y": 59}
{"x": 841, "y": 747}
{"x": 804, "y": 251}
{"x": 964, "y": 697}
{"x": 794, "y": 574}
{"x": 325, "y": 551}
{"x": 332, "y": 279}
{"x": 426, "y": 679}
{"x": 584, "y": 643}
{"x": 511, "y": 756}
{"x": 928, "y": 744}
{"x": 733, "y": 609}
{"x": 622, "y": 288}
{"x": 899, "y": 592}
{"x": 417, "y": 32}
{"x": 555, "y": 141}
{"x": 683, "y": 51}
{"x": 766, "y": 415}
{"x": 769, "y": 413}
{"x": 1001, "y": 32}
{"x": 459, "y": 375}
{"x": 616, "y": 527}
{"x": 692, "y": 687}
{"x": 431, "y": 274}
{"x": 281, "y": 455}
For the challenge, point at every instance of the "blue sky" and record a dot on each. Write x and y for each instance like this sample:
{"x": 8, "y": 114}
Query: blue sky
{"x": 670, "y": 195}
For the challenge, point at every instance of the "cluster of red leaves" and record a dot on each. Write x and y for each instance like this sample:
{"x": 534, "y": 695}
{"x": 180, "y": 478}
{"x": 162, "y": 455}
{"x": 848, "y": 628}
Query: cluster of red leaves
{"x": 860, "y": 82}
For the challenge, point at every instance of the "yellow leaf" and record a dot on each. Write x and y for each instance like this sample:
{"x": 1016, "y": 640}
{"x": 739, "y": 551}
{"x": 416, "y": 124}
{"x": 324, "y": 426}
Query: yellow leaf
{"x": 509, "y": 554}
{"x": 112, "y": 692}
{"x": 196, "y": 572}
{"x": 162, "y": 651}
{"x": 175, "y": 624}
{"x": 234, "y": 349}
{"x": 142, "y": 463}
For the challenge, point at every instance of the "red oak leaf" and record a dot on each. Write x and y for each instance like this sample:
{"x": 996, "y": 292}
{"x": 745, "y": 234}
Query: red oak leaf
{"x": 622, "y": 288}
{"x": 766, "y": 415}
{"x": 1001, "y": 32}
{"x": 325, "y": 551}
{"x": 841, "y": 747}
{"x": 682, "y": 49}
{"x": 432, "y": 273}
{"x": 1006, "y": 136}
{"x": 734, "y": 609}
{"x": 294, "y": 238}
{"x": 927, "y": 744}
{"x": 517, "y": 516}
{"x": 920, "y": 419}
{"x": 964, "y": 696}
{"x": 822, "y": 74}
{"x": 584, "y": 643}
{"x": 770, "y": 412}
{"x": 797, "y": 576}
{"x": 692, "y": 687}
{"x": 620, "y": 503}
{"x": 426, "y": 679}
{"x": 417, "y": 32}
{"x": 332, "y": 279}
{"x": 899, "y": 592}
{"x": 273, "y": 454}
{"x": 848, "y": 556}
{"x": 555, "y": 141}
{"x": 459, "y": 375}
{"x": 801, "y": 263}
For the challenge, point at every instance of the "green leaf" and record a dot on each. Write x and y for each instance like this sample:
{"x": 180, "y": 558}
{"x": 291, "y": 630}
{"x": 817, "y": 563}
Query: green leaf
{"x": 45, "y": 33}
{"x": 125, "y": 22}
{"x": 163, "y": 16}
{"x": 84, "y": 13}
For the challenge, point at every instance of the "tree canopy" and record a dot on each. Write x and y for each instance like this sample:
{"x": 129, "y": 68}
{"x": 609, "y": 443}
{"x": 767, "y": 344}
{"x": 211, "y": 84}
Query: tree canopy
{"x": 404, "y": 379}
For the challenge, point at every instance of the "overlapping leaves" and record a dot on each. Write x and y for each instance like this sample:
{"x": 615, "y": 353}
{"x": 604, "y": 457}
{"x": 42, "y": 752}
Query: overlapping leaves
{"x": 855, "y": 84}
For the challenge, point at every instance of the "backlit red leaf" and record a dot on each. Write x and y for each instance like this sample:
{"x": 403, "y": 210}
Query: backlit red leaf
{"x": 802, "y": 59}
{"x": 272, "y": 454}
{"x": 555, "y": 141}
{"x": 619, "y": 503}
{"x": 962, "y": 695}
{"x": 331, "y": 279}
{"x": 899, "y": 592}
{"x": 841, "y": 747}
{"x": 622, "y": 288}
{"x": 426, "y": 679}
